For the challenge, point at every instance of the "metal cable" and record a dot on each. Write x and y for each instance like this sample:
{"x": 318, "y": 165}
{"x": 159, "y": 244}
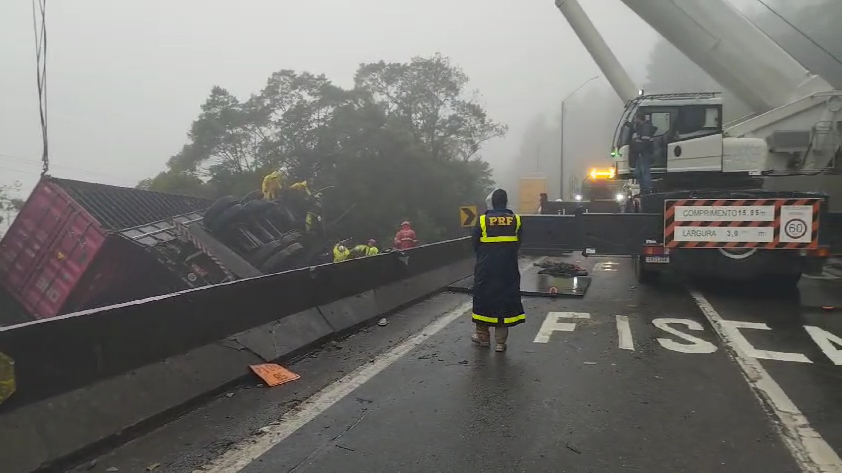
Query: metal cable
{"x": 39, "y": 8}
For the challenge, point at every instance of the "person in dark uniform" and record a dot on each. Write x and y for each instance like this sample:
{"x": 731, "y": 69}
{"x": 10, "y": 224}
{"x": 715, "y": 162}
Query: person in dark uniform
{"x": 497, "y": 300}
{"x": 644, "y": 134}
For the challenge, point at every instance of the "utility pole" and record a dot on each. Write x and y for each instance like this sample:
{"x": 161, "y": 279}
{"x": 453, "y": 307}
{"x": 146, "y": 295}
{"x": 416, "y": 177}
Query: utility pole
{"x": 561, "y": 157}
{"x": 561, "y": 139}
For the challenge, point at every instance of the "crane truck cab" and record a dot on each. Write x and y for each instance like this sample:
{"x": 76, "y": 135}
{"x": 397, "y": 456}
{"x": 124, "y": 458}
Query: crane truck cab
{"x": 689, "y": 137}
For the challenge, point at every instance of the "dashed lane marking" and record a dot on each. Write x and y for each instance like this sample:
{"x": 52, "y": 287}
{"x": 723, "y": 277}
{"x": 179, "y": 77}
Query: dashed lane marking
{"x": 810, "y": 450}
{"x": 250, "y": 449}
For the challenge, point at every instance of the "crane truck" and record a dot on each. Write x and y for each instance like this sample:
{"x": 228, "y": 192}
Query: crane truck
{"x": 756, "y": 199}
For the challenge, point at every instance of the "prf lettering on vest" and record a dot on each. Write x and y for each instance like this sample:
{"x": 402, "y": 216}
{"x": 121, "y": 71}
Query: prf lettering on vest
{"x": 503, "y": 220}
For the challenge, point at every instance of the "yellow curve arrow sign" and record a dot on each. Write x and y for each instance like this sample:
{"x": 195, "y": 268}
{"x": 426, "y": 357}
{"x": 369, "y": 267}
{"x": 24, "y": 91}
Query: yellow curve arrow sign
{"x": 468, "y": 216}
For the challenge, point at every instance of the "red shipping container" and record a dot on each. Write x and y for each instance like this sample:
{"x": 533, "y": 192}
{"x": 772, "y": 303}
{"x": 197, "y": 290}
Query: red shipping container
{"x": 61, "y": 230}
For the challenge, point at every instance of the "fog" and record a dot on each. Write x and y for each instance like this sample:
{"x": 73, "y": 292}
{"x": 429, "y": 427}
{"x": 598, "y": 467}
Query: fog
{"x": 127, "y": 78}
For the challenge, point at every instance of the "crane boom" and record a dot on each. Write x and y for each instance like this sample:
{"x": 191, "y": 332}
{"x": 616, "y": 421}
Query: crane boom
{"x": 598, "y": 49}
{"x": 732, "y": 50}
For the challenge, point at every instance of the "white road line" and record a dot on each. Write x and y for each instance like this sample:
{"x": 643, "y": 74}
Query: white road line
{"x": 624, "y": 330}
{"x": 810, "y": 450}
{"x": 250, "y": 449}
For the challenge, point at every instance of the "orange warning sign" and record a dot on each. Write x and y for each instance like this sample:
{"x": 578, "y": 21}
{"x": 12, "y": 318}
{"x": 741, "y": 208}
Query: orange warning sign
{"x": 273, "y": 374}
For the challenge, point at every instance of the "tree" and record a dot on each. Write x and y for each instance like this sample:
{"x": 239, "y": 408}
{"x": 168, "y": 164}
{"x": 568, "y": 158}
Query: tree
{"x": 428, "y": 96}
{"x": 404, "y": 143}
{"x": 9, "y": 204}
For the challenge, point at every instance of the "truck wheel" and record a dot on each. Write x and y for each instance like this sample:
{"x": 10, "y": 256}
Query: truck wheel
{"x": 280, "y": 261}
{"x": 643, "y": 272}
{"x": 228, "y": 217}
{"x": 257, "y": 207}
{"x": 290, "y": 238}
{"x": 252, "y": 196}
{"x": 217, "y": 208}
{"x": 263, "y": 253}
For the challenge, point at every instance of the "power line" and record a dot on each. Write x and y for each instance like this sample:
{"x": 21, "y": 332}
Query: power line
{"x": 69, "y": 168}
{"x": 811, "y": 40}
{"x": 41, "y": 74}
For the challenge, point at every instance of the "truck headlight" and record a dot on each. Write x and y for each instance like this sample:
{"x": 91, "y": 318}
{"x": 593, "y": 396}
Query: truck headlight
{"x": 578, "y": 197}
{"x": 620, "y": 197}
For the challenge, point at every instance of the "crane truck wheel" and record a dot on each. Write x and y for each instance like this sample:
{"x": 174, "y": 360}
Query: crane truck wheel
{"x": 266, "y": 251}
{"x": 252, "y": 196}
{"x": 227, "y": 217}
{"x": 643, "y": 272}
{"x": 217, "y": 208}
{"x": 281, "y": 260}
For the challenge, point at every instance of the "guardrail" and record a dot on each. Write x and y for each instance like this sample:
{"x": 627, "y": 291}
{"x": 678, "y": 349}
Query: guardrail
{"x": 84, "y": 377}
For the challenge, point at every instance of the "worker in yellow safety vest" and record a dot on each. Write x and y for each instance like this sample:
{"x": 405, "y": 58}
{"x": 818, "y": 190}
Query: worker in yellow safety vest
{"x": 272, "y": 184}
{"x": 365, "y": 250}
{"x": 340, "y": 253}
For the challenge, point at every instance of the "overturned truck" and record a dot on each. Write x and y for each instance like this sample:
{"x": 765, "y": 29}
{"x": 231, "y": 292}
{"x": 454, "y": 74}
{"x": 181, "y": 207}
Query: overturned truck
{"x": 78, "y": 245}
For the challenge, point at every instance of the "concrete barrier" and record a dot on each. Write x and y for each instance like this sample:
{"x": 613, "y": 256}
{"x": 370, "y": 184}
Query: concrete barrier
{"x": 94, "y": 377}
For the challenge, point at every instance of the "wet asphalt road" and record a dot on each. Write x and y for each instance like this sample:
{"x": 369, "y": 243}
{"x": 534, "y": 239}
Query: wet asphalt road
{"x": 660, "y": 393}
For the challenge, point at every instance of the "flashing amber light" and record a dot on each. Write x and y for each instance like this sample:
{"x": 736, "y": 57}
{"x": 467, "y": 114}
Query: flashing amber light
{"x": 602, "y": 174}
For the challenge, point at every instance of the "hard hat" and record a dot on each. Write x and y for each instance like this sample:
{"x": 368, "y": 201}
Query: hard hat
{"x": 405, "y": 223}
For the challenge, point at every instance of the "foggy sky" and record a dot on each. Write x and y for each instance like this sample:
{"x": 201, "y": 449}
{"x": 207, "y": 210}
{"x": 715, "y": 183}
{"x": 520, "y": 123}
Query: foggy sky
{"x": 126, "y": 78}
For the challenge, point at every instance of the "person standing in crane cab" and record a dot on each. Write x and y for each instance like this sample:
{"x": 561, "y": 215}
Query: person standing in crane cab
{"x": 497, "y": 302}
{"x": 645, "y": 151}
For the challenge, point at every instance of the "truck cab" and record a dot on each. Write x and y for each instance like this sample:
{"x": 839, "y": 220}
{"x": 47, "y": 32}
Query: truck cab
{"x": 689, "y": 137}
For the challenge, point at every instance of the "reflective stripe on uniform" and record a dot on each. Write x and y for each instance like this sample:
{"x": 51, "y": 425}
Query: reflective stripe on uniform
{"x": 486, "y": 319}
{"x": 505, "y": 238}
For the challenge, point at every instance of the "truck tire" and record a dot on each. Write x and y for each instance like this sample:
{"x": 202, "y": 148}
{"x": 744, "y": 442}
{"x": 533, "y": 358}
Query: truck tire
{"x": 263, "y": 253}
{"x": 252, "y": 196}
{"x": 290, "y": 238}
{"x": 227, "y": 217}
{"x": 257, "y": 207}
{"x": 217, "y": 208}
{"x": 643, "y": 272}
{"x": 281, "y": 260}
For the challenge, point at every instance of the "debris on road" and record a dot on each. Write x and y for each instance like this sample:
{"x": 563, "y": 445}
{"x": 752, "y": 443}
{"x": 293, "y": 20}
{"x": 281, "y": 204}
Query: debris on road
{"x": 274, "y": 374}
{"x": 382, "y": 322}
{"x": 561, "y": 269}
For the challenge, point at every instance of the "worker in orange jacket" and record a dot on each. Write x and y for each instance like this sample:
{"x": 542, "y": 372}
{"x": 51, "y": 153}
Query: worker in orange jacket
{"x": 405, "y": 238}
